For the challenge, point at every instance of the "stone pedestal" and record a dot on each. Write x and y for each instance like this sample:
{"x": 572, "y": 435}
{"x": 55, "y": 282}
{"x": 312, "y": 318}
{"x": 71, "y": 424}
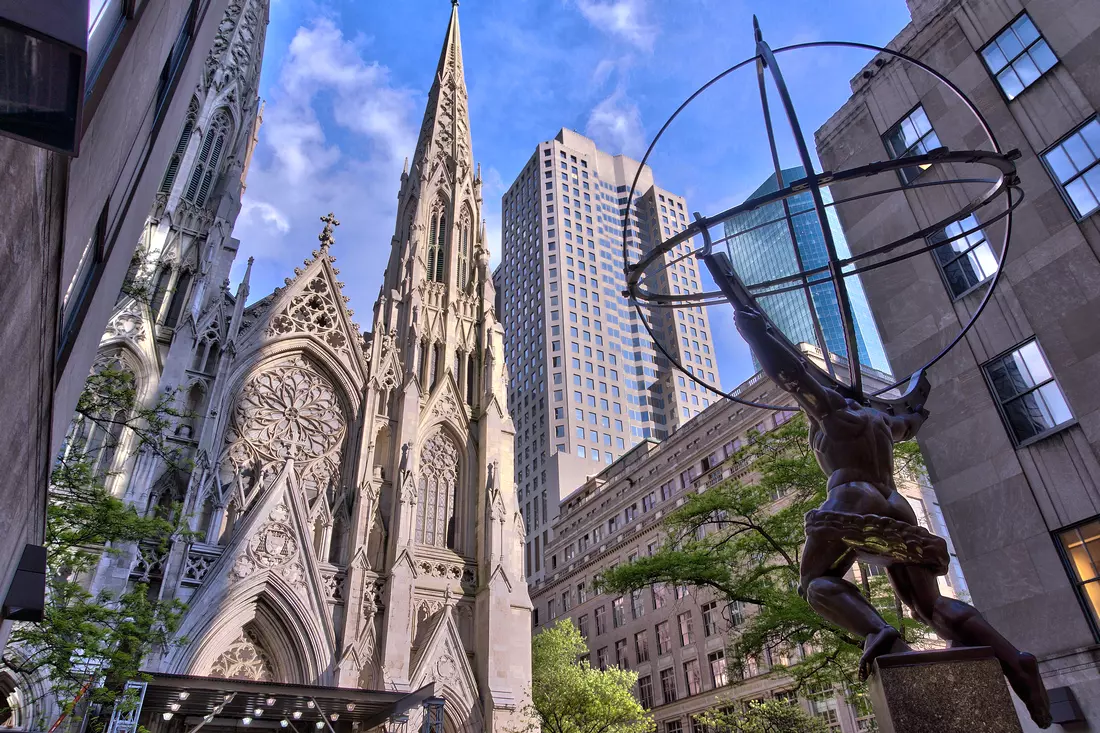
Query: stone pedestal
{"x": 946, "y": 691}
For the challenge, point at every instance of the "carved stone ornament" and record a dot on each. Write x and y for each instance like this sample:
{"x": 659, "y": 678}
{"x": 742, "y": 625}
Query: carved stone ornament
{"x": 288, "y": 411}
{"x": 446, "y": 407}
{"x": 446, "y": 669}
{"x": 244, "y": 659}
{"x": 315, "y": 310}
{"x": 273, "y": 545}
{"x": 127, "y": 324}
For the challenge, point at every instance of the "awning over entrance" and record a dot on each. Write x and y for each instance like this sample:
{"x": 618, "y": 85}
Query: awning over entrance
{"x": 217, "y": 702}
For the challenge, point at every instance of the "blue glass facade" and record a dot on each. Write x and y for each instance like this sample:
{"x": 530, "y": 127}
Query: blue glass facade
{"x": 763, "y": 251}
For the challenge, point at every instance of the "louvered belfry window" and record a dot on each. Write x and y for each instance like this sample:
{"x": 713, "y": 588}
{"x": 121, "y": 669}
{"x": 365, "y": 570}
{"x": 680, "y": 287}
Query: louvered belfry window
{"x": 437, "y": 236}
{"x": 206, "y": 166}
{"x": 181, "y": 148}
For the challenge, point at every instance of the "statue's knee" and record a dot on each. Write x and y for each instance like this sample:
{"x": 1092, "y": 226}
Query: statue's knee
{"x": 815, "y": 590}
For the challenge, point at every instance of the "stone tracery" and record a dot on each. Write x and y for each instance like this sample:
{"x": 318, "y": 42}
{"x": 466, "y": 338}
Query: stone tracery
{"x": 244, "y": 659}
{"x": 436, "y": 497}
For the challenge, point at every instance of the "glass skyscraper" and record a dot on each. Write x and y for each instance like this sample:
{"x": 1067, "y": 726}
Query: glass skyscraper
{"x": 762, "y": 251}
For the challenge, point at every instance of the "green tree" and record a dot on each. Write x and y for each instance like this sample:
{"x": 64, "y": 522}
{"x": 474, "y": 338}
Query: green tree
{"x": 569, "y": 696}
{"x": 770, "y": 716}
{"x": 743, "y": 541}
{"x": 92, "y": 643}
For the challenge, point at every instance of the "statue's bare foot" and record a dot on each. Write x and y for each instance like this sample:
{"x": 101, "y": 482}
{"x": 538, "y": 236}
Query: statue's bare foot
{"x": 1028, "y": 686}
{"x": 884, "y": 641}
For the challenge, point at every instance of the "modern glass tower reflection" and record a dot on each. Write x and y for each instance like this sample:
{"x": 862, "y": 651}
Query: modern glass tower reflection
{"x": 762, "y": 251}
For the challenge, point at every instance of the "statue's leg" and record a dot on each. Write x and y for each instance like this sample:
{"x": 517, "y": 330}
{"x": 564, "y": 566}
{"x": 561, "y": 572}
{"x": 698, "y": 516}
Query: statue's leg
{"x": 825, "y": 561}
{"x": 961, "y": 624}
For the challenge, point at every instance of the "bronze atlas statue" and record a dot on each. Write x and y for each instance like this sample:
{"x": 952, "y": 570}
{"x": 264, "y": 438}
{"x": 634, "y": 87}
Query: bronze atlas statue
{"x": 851, "y": 431}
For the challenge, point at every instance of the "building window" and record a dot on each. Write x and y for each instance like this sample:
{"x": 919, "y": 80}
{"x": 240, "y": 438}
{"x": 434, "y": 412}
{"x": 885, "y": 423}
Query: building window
{"x": 674, "y": 726}
{"x": 913, "y": 135}
{"x": 1018, "y": 56}
{"x": 617, "y": 617}
{"x": 692, "y": 678}
{"x": 601, "y": 657}
{"x": 174, "y": 61}
{"x": 601, "y": 620}
{"x": 1031, "y": 402}
{"x": 668, "y": 685}
{"x": 637, "y": 608}
{"x": 209, "y": 158}
{"x": 664, "y": 640}
{"x": 620, "y": 655}
{"x": 1072, "y": 163}
{"x": 717, "y": 661}
{"x": 645, "y": 691}
{"x": 710, "y": 618}
{"x": 965, "y": 261}
{"x": 687, "y": 633}
{"x": 94, "y": 254}
{"x": 1081, "y": 550}
{"x": 641, "y": 646}
{"x": 435, "y": 515}
{"x": 582, "y": 625}
{"x": 660, "y": 596}
{"x": 551, "y": 612}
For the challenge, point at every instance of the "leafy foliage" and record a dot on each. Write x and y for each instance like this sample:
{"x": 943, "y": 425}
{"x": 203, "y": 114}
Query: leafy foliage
{"x": 99, "y": 639}
{"x": 743, "y": 542}
{"x": 769, "y": 716}
{"x": 570, "y": 696}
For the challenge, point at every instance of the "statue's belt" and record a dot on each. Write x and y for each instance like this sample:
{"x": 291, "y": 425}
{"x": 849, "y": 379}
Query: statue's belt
{"x": 880, "y": 540}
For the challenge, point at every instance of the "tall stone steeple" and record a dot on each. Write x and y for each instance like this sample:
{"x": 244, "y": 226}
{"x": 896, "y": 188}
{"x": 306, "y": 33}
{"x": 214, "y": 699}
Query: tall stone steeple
{"x": 454, "y": 603}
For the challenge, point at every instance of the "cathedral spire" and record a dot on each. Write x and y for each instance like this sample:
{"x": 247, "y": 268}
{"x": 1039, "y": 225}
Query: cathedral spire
{"x": 446, "y": 127}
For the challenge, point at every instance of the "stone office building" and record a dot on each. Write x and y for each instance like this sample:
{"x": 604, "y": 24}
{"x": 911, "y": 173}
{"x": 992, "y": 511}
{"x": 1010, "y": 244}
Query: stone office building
{"x": 1014, "y": 433}
{"x": 675, "y": 638}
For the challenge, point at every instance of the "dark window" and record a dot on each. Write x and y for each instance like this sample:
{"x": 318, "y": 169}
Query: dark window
{"x": 1030, "y": 400}
{"x": 710, "y": 618}
{"x": 913, "y": 135}
{"x": 620, "y": 655}
{"x": 172, "y": 64}
{"x": 668, "y": 685}
{"x": 617, "y": 612}
{"x": 601, "y": 657}
{"x": 717, "y": 662}
{"x": 965, "y": 261}
{"x": 687, "y": 633}
{"x": 86, "y": 269}
{"x": 1081, "y": 550}
{"x": 1018, "y": 56}
{"x": 664, "y": 641}
{"x": 641, "y": 646}
{"x": 645, "y": 691}
{"x": 601, "y": 620}
{"x": 692, "y": 678}
{"x": 1072, "y": 163}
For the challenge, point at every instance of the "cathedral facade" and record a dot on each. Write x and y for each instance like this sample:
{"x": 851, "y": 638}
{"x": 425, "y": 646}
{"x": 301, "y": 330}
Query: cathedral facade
{"x": 351, "y": 494}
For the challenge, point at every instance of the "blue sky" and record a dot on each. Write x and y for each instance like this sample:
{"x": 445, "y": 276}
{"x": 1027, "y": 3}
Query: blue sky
{"x": 345, "y": 83}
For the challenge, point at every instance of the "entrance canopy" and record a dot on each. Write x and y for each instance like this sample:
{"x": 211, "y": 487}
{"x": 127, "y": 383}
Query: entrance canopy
{"x": 220, "y": 702}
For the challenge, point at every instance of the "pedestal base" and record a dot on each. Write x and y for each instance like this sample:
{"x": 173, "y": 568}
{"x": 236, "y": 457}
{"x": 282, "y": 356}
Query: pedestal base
{"x": 946, "y": 691}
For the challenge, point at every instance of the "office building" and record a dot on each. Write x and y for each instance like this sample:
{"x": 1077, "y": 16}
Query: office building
{"x": 676, "y": 638}
{"x": 69, "y": 225}
{"x": 1013, "y": 442}
{"x": 587, "y": 382}
{"x": 760, "y": 248}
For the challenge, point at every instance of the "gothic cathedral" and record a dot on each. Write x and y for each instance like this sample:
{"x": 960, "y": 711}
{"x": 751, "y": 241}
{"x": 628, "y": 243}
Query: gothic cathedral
{"x": 351, "y": 494}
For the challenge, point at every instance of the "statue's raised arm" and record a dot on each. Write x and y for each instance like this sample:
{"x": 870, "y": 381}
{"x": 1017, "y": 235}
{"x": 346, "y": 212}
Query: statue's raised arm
{"x": 783, "y": 366}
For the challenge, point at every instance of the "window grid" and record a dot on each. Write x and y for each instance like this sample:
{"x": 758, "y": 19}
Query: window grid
{"x": 1073, "y": 165}
{"x": 967, "y": 260}
{"x": 1018, "y": 56}
{"x": 1031, "y": 403}
{"x": 912, "y": 135}
{"x": 1081, "y": 551}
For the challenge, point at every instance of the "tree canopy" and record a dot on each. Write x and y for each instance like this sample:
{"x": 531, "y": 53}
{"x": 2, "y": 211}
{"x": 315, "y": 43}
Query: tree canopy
{"x": 568, "y": 695}
{"x": 769, "y": 716}
{"x": 742, "y": 540}
{"x": 89, "y": 644}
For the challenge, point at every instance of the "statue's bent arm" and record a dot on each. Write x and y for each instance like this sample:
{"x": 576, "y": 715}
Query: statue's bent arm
{"x": 785, "y": 368}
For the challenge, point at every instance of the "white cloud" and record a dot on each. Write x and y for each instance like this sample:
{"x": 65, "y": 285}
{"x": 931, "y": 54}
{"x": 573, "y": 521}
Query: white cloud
{"x": 334, "y": 135}
{"x": 267, "y": 214}
{"x": 616, "y": 125}
{"x": 627, "y": 19}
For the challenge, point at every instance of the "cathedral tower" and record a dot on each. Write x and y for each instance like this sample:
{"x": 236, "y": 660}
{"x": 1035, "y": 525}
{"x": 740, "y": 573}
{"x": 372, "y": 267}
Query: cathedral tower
{"x": 439, "y": 437}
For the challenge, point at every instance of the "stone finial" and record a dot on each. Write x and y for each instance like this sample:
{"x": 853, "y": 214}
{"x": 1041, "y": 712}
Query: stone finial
{"x": 325, "y": 236}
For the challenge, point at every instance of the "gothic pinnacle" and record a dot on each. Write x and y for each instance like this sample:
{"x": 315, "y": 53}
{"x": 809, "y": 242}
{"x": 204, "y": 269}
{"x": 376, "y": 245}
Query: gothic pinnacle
{"x": 325, "y": 236}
